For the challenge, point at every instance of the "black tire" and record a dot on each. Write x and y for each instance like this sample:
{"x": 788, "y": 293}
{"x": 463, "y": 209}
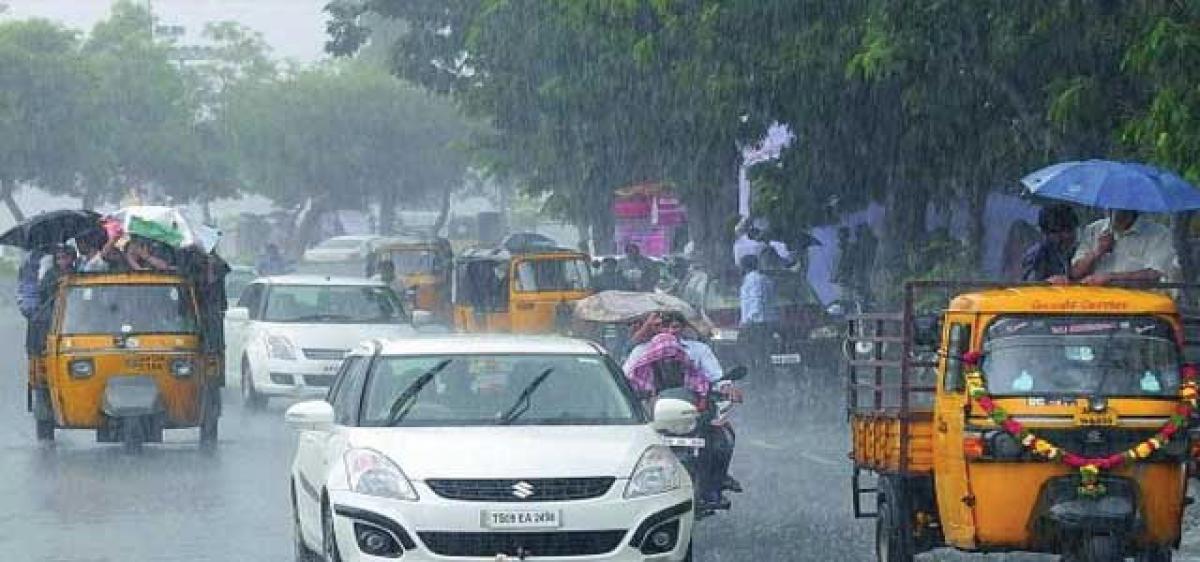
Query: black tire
{"x": 303, "y": 552}
{"x": 251, "y": 399}
{"x": 329, "y": 545}
{"x": 210, "y": 417}
{"x": 893, "y": 535}
{"x": 44, "y": 429}
{"x": 133, "y": 434}
{"x": 1097, "y": 548}
{"x": 1154, "y": 554}
{"x": 43, "y": 415}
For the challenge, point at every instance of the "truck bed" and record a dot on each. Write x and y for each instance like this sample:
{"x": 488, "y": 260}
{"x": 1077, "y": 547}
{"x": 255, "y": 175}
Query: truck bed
{"x": 876, "y": 440}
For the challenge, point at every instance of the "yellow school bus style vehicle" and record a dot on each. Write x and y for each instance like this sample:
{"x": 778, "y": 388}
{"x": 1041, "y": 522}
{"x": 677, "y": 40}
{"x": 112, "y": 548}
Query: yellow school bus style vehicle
{"x": 1048, "y": 419}
{"x": 423, "y": 268}
{"x": 126, "y": 355}
{"x": 526, "y": 292}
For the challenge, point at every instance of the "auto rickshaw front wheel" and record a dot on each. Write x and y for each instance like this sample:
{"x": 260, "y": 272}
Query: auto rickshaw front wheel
{"x": 1097, "y": 548}
{"x": 133, "y": 434}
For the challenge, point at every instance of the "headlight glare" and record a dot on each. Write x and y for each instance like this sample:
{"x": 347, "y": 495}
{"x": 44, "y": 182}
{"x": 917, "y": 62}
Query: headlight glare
{"x": 280, "y": 347}
{"x": 658, "y": 472}
{"x": 371, "y": 473}
{"x": 81, "y": 368}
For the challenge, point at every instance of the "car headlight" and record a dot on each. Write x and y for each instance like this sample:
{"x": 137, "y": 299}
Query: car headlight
{"x": 371, "y": 473}
{"x": 657, "y": 472}
{"x": 280, "y": 347}
{"x": 81, "y": 368}
{"x": 182, "y": 367}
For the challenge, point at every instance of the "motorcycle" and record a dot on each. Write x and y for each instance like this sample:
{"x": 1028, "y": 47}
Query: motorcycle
{"x": 714, "y": 415}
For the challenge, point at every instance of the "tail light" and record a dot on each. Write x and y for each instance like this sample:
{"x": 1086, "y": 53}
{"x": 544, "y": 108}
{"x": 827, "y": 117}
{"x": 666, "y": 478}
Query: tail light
{"x": 974, "y": 446}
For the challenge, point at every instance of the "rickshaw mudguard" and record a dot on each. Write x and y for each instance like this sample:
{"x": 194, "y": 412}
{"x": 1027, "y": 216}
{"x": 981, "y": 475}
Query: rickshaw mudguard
{"x": 1062, "y": 510}
{"x": 131, "y": 396}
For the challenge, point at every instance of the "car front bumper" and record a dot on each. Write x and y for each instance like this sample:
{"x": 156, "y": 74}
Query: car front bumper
{"x": 303, "y": 378}
{"x": 438, "y": 529}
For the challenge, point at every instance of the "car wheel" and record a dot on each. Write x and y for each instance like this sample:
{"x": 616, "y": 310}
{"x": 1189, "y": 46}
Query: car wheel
{"x": 209, "y": 416}
{"x": 328, "y": 535}
{"x": 303, "y": 552}
{"x": 251, "y": 399}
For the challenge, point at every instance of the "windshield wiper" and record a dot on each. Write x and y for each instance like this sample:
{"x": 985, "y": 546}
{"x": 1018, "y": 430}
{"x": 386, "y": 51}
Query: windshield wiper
{"x": 407, "y": 399}
{"x": 522, "y": 404}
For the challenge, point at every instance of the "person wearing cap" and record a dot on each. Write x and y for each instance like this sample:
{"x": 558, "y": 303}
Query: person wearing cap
{"x": 1050, "y": 258}
{"x": 1125, "y": 248}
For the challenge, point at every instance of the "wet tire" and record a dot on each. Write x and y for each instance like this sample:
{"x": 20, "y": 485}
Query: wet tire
{"x": 44, "y": 430}
{"x": 209, "y": 417}
{"x": 329, "y": 546}
{"x": 303, "y": 552}
{"x": 1097, "y": 548}
{"x": 251, "y": 399}
{"x": 893, "y": 537}
{"x": 1154, "y": 554}
{"x": 133, "y": 434}
{"x": 43, "y": 417}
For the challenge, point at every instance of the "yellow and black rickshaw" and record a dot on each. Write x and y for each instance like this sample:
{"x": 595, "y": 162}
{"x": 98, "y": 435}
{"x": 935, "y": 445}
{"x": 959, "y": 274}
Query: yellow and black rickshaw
{"x": 524, "y": 292}
{"x": 127, "y": 355}
{"x": 422, "y": 267}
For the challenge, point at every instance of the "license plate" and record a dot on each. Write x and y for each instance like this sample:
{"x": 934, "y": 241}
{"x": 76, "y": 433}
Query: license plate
{"x": 522, "y": 519}
{"x": 1107, "y": 419}
{"x": 693, "y": 442}
{"x": 786, "y": 359}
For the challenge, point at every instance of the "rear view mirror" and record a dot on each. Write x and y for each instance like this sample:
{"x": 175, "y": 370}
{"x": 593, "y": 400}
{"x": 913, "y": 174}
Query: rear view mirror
{"x": 238, "y": 314}
{"x": 736, "y": 374}
{"x": 313, "y": 415}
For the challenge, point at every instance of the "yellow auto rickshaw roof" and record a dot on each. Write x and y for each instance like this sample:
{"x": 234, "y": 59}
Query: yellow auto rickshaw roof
{"x": 1066, "y": 299}
{"x": 126, "y": 278}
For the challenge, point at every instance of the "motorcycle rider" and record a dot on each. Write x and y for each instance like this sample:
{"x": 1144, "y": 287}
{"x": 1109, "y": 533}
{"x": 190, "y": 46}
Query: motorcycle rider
{"x": 718, "y": 452}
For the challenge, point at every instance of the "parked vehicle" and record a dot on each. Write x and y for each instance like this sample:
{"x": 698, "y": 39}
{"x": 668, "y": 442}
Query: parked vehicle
{"x": 288, "y": 334}
{"x": 125, "y": 356}
{"x": 340, "y": 255}
{"x": 1031, "y": 418}
{"x": 488, "y": 448}
{"x": 519, "y": 292}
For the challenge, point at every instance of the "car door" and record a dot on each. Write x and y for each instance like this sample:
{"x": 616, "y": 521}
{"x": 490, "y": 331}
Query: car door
{"x": 317, "y": 450}
{"x": 236, "y": 330}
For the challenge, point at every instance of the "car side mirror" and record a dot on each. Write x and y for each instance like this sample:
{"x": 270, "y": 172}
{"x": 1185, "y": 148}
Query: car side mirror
{"x": 238, "y": 314}
{"x": 312, "y": 415}
{"x": 736, "y": 374}
{"x": 675, "y": 416}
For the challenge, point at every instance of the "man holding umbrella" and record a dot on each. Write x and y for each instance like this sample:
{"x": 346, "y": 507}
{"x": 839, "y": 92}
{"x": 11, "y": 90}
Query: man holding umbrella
{"x": 1125, "y": 247}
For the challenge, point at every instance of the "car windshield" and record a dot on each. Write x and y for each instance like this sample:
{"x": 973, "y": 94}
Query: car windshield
{"x": 128, "y": 309}
{"x": 348, "y": 304}
{"x": 1081, "y": 356}
{"x": 483, "y": 390}
{"x": 554, "y": 274}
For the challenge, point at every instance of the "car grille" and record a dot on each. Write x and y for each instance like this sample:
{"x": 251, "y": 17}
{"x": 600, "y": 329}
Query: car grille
{"x": 528, "y": 490}
{"x": 320, "y": 354}
{"x": 522, "y": 545}
{"x": 318, "y": 380}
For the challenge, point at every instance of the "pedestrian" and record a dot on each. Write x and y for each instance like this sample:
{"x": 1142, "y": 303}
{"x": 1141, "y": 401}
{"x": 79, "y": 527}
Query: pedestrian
{"x": 1125, "y": 247}
{"x": 608, "y": 278}
{"x": 758, "y": 313}
{"x": 271, "y": 262}
{"x": 1050, "y": 258}
{"x": 640, "y": 273}
{"x": 28, "y": 275}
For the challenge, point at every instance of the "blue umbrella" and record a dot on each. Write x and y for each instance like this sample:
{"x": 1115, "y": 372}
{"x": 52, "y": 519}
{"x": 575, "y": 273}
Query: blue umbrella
{"x": 1106, "y": 184}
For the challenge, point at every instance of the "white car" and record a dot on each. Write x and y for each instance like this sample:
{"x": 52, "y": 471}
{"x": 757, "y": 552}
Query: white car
{"x": 288, "y": 334}
{"x": 487, "y": 448}
{"x": 341, "y": 248}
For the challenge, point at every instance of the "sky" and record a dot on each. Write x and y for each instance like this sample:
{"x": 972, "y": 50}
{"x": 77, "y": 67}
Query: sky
{"x": 294, "y": 28}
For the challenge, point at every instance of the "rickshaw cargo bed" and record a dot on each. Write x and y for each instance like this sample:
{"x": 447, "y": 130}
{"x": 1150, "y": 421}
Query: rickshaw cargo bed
{"x": 877, "y": 443}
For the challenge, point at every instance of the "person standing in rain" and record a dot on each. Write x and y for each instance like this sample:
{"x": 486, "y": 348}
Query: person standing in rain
{"x": 1050, "y": 258}
{"x": 640, "y": 272}
{"x": 608, "y": 278}
{"x": 271, "y": 262}
{"x": 1127, "y": 247}
{"x": 759, "y": 315}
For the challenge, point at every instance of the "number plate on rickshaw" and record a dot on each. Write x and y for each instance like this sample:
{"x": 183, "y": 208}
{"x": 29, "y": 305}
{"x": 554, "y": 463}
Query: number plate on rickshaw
{"x": 692, "y": 442}
{"x": 145, "y": 363}
{"x": 1107, "y": 419}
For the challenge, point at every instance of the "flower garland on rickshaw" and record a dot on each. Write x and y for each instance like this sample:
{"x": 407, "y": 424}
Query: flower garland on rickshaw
{"x": 1089, "y": 467}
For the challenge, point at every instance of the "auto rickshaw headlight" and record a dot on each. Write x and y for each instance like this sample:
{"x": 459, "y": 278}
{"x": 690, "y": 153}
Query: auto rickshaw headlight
{"x": 81, "y": 368}
{"x": 182, "y": 367}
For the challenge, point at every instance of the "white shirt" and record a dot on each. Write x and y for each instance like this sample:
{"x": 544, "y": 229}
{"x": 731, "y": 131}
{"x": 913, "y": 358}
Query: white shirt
{"x": 1146, "y": 245}
{"x": 699, "y": 352}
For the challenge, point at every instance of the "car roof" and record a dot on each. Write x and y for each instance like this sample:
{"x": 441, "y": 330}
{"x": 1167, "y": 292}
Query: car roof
{"x": 483, "y": 344}
{"x": 312, "y": 279}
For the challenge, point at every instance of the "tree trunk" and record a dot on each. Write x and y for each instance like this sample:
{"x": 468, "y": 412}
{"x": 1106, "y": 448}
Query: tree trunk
{"x": 976, "y": 206}
{"x": 387, "y": 212}
{"x": 443, "y": 213}
{"x": 7, "y": 190}
{"x": 904, "y": 231}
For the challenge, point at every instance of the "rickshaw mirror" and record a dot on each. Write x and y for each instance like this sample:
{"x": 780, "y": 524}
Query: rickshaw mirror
{"x": 313, "y": 415}
{"x": 238, "y": 314}
{"x": 674, "y": 416}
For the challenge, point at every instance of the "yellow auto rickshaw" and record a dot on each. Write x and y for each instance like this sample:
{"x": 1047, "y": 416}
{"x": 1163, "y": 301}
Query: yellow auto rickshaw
{"x": 525, "y": 292}
{"x": 128, "y": 355}
{"x": 422, "y": 267}
{"x": 1023, "y": 418}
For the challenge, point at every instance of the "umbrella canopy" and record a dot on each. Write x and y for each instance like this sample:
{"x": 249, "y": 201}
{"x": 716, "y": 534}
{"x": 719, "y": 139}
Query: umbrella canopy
{"x": 1106, "y": 184}
{"x": 624, "y": 306}
{"x": 48, "y": 229}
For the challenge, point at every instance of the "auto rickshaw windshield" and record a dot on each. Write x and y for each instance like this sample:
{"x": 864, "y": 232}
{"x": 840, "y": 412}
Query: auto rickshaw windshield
{"x": 128, "y": 309}
{"x": 557, "y": 274}
{"x": 1081, "y": 356}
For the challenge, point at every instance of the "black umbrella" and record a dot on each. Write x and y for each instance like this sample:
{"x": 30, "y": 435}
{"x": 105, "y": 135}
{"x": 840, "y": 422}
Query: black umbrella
{"x": 48, "y": 229}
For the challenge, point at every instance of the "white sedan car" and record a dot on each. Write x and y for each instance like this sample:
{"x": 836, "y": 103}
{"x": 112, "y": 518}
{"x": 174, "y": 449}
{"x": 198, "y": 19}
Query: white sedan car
{"x": 288, "y": 334}
{"x": 487, "y": 448}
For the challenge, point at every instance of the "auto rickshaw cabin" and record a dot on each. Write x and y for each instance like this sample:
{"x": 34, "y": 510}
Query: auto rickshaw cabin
{"x": 1032, "y": 418}
{"x": 423, "y": 267}
{"x": 527, "y": 292}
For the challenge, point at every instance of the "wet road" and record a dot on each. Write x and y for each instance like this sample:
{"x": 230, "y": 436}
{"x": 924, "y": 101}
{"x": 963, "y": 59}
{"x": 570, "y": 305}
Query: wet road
{"x": 78, "y": 501}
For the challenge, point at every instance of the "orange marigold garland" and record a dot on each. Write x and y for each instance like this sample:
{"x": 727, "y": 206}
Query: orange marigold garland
{"x": 1089, "y": 467}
